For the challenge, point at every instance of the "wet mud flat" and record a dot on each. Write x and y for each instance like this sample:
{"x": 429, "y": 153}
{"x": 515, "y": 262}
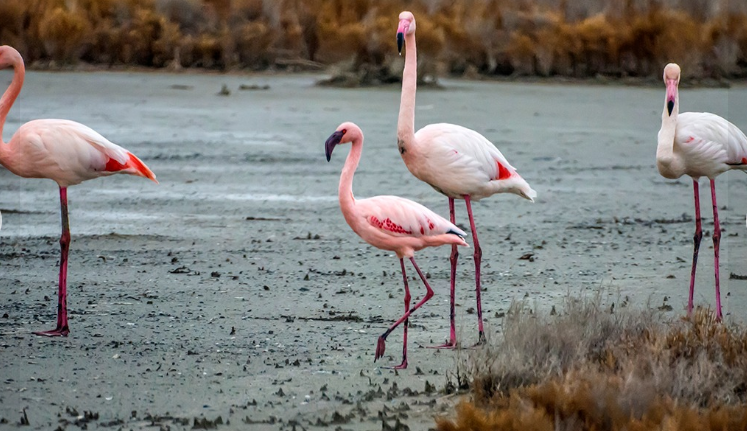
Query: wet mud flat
{"x": 233, "y": 294}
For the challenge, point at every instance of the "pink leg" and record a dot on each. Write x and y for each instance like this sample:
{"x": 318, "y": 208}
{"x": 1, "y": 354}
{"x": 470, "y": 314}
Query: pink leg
{"x": 403, "y": 365}
{"x": 478, "y": 260}
{"x": 62, "y": 327}
{"x": 452, "y": 312}
{"x": 716, "y": 241}
{"x": 696, "y": 239}
{"x": 381, "y": 345}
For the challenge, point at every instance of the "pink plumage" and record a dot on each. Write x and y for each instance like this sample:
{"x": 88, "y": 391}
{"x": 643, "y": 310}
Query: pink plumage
{"x": 390, "y": 223}
{"x": 64, "y": 151}
{"x": 698, "y": 144}
{"x": 456, "y": 161}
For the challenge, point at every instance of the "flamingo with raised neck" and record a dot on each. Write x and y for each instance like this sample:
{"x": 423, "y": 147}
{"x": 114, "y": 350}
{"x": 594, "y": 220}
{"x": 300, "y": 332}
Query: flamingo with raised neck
{"x": 456, "y": 161}
{"x": 697, "y": 144}
{"x": 64, "y": 151}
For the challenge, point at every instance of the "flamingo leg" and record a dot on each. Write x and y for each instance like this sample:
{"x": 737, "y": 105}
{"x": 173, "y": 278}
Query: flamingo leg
{"x": 62, "y": 327}
{"x": 452, "y": 312}
{"x": 381, "y": 345}
{"x": 696, "y": 240}
{"x": 403, "y": 365}
{"x": 716, "y": 242}
{"x": 478, "y": 261}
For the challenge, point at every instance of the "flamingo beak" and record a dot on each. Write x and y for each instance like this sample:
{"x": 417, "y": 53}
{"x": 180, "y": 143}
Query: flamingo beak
{"x": 404, "y": 25}
{"x": 671, "y": 94}
{"x": 331, "y": 142}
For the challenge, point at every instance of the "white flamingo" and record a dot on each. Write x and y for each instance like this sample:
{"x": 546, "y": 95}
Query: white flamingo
{"x": 458, "y": 162}
{"x": 697, "y": 144}
{"x": 64, "y": 151}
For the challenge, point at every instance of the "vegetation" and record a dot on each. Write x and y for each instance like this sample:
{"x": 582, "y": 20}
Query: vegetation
{"x": 616, "y": 38}
{"x": 592, "y": 368}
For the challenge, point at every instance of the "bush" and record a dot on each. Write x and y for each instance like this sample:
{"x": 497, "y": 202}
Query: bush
{"x": 489, "y": 37}
{"x": 594, "y": 367}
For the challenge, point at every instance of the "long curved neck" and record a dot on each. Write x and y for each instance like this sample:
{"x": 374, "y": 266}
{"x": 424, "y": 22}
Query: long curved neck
{"x": 667, "y": 161}
{"x": 345, "y": 191}
{"x": 10, "y": 95}
{"x": 406, "y": 121}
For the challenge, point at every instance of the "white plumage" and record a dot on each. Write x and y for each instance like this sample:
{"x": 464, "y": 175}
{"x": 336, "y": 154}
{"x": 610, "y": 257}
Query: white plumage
{"x": 697, "y": 144}
{"x": 458, "y": 161}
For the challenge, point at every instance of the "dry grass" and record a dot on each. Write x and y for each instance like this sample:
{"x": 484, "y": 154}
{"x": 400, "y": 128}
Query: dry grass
{"x": 615, "y": 38}
{"x": 592, "y": 368}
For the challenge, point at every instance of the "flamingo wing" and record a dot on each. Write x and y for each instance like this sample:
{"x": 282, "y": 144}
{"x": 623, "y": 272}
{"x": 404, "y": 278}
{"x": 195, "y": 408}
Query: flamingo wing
{"x": 464, "y": 151}
{"x": 69, "y": 153}
{"x": 709, "y": 137}
{"x": 397, "y": 216}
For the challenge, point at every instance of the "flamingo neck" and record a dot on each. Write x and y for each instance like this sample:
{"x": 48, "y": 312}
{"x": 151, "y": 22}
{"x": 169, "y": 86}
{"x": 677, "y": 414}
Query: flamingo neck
{"x": 666, "y": 159}
{"x": 345, "y": 191}
{"x": 406, "y": 120}
{"x": 10, "y": 95}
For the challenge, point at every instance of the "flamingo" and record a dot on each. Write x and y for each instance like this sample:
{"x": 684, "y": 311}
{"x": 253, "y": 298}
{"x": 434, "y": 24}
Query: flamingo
{"x": 390, "y": 223}
{"x": 456, "y": 161}
{"x": 64, "y": 151}
{"x": 698, "y": 144}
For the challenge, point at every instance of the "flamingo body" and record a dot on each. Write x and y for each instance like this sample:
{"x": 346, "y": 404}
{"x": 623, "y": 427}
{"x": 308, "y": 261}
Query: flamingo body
{"x": 705, "y": 145}
{"x": 68, "y": 153}
{"x": 64, "y": 151}
{"x": 401, "y": 225}
{"x": 390, "y": 223}
{"x": 457, "y": 161}
{"x": 698, "y": 144}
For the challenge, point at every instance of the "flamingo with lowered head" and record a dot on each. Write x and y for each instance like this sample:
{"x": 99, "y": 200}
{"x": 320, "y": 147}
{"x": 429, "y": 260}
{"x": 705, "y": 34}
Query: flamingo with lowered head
{"x": 390, "y": 223}
{"x": 697, "y": 144}
{"x": 458, "y": 162}
{"x": 64, "y": 151}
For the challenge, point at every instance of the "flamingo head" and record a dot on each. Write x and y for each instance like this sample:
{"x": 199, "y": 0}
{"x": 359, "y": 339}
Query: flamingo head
{"x": 406, "y": 26}
{"x": 9, "y": 57}
{"x": 671, "y": 80}
{"x": 345, "y": 133}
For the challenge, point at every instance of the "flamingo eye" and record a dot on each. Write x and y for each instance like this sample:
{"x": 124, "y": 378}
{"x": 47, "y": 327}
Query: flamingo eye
{"x": 344, "y": 131}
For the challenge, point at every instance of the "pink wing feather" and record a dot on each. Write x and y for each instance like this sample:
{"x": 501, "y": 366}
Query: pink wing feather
{"x": 402, "y": 217}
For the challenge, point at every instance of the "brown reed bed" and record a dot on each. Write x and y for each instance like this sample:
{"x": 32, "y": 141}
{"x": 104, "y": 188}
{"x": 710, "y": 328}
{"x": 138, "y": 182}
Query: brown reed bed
{"x": 600, "y": 368}
{"x": 616, "y": 38}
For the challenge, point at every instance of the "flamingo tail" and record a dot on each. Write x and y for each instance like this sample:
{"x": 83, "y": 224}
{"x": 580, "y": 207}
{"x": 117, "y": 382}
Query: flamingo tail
{"x": 133, "y": 166}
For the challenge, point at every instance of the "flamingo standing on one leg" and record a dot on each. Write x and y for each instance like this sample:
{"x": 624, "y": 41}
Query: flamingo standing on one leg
{"x": 64, "y": 151}
{"x": 390, "y": 223}
{"x": 458, "y": 162}
{"x": 697, "y": 144}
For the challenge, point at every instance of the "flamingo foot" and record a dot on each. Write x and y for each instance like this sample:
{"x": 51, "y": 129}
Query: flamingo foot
{"x": 451, "y": 344}
{"x": 380, "y": 347}
{"x": 57, "y": 332}
{"x": 401, "y": 366}
{"x": 481, "y": 341}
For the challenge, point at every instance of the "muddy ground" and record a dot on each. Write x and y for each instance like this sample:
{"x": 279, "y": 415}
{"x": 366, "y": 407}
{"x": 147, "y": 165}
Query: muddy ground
{"x": 235, "y": 290}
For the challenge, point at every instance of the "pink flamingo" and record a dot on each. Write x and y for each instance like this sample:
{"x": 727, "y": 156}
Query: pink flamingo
{"x": 64, "y": 151}
{"x": 697, "y": 144}
{"x": 390, "y": 223}
{"x": 458, "y": 162}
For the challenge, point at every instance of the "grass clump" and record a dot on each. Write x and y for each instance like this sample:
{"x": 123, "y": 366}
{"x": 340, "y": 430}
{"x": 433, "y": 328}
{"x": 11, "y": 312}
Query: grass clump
{"x": 591, "y": 368}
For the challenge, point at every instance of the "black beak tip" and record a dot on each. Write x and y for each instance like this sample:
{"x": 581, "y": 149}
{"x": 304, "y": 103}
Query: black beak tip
{"x": 670, "y": 106}
{"x": 332, "y": 141}
{"x": 400, "y": 41}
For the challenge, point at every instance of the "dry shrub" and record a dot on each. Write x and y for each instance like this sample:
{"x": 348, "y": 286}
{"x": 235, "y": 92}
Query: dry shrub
{"x": 593, "y": 368}
{"x": 61, "y": 32}
{"x": 462, "y": 37}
